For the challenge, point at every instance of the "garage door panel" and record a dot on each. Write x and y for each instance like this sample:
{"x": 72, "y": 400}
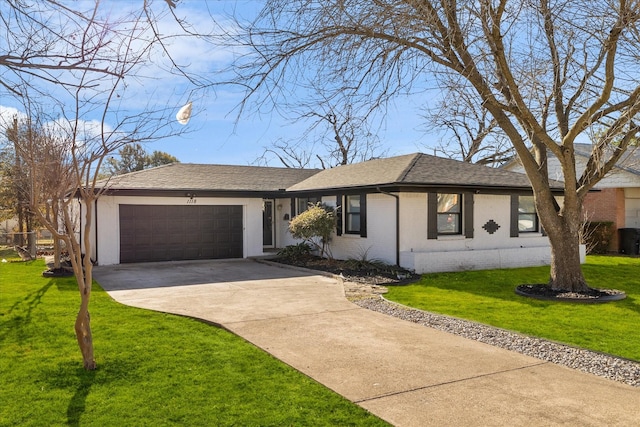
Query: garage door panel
{"x": 143, "y": 254}
{"x": 165, "y": 233}
{"x": 207, "y": 227}
{"x": 174, "y": 238}
{"x": 208, "y": 238}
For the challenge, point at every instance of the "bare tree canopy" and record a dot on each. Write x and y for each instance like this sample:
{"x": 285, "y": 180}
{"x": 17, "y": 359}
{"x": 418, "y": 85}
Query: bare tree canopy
{"x": 53, "y": 41}
{"x": 467, "y": 130}
{"x": 78, "y": 69}
{"x": 336, "y": 135}
{"x": 551, "y": 73}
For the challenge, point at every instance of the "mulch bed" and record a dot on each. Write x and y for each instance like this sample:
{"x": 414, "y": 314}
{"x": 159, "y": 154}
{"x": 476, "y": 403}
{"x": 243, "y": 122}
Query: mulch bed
{"x": 544, "y": 292}
{"x": 391, "y": 275}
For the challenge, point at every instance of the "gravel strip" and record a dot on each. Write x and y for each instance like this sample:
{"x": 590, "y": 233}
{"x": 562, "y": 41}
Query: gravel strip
{"x": 603, "y": 365}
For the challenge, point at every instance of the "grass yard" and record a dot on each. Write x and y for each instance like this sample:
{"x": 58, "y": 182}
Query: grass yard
{"x": 488, "y": 297}
{"x": 153, "y": 369}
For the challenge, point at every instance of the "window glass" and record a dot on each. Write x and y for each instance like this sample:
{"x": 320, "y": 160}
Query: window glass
{"x": 527, "y": 216}
{"x": 302, "y": 203}
{"x": 449, "y": 213}
{"x": 352, "y": 214}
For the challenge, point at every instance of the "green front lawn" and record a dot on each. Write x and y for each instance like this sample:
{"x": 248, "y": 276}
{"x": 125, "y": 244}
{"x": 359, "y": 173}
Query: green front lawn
{"x": 153, "y": 369}
{"x": 488, "y": 297}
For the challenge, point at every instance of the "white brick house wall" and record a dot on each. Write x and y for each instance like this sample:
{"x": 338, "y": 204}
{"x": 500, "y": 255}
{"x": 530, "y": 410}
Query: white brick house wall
{"x": 456, "y": 253}
{"x": 446, "y": 253}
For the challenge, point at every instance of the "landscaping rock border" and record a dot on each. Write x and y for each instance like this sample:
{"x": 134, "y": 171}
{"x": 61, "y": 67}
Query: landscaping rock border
{"x": 366, "y": 291}
{"x": 600, "y": 364}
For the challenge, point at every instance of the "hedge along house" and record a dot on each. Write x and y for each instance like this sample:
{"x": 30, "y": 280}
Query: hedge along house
{"x": 421, "y": 212}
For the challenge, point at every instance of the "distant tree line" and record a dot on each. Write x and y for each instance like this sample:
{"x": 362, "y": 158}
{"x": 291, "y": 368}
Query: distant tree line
{"x": 133, "y": 157}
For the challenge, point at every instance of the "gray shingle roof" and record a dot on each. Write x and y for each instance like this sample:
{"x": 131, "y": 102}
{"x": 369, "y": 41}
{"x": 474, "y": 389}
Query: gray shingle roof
{"x": 412, "y": 169}
{"x": 629, "y": 162}
{"x": 187, "y": 176}
{"x": 408, "y": 170}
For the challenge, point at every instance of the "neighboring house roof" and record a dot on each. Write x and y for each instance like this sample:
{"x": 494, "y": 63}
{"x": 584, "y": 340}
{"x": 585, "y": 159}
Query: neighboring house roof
{"x": 211, "y": 178}
{"x": 629, "y": 162}
{"x": 413, "y": 170}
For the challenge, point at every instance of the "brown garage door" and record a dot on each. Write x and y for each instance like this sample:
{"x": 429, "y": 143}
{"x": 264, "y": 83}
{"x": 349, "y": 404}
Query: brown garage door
{"x": 171, "y": 233}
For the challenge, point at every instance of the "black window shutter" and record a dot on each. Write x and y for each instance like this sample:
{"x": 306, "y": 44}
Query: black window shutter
{"x": 467, "y": 212}
{"x": 293, "y": 207}
{"x": 363, "y": 215}
{"x": 432, "y": 215}
{"x": 339, "y": 215}
{"x": 515, "y": 204}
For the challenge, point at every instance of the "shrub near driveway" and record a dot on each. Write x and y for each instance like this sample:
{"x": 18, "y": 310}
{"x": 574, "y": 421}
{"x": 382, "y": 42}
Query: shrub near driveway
{"x": 488, "y": 297}
{"x": 153, "y": 369}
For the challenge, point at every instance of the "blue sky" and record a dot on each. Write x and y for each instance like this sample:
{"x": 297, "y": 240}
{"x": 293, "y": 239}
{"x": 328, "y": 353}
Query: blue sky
{"x": 214, "y": 134}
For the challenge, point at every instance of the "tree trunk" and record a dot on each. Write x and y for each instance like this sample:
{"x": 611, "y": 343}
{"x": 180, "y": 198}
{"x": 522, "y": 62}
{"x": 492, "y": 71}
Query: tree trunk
{"x": 83, "y": 334}
{"x": 566, "y": 270}
{"x": 19, "y": 239}
{"x": 57, "y": 243}
{"x": 57, "y": 253}
{"x": 83, "y": 270}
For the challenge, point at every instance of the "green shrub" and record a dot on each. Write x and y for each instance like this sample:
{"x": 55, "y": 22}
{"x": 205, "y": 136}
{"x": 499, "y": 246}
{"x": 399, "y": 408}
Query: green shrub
{"x": 295, "y": 252}
{"x": 371, "y": 265}
{"x": 314, "y": 226}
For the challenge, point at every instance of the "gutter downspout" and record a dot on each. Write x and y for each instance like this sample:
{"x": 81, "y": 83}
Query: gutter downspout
{"x": 397, "y": 222}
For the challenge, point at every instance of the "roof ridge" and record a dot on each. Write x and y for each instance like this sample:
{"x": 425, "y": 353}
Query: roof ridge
{"x": 406, "y": 170}
{"x": 119, "y": 176}
{"x": 246, "y": 166}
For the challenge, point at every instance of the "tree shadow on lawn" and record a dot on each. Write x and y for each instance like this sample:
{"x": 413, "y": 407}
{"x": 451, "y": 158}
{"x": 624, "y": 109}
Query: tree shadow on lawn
{"x": 20, "y": 315}
{"x": 24, "y": 308}
{"x": 77, "y": 404}
{"x": 70, "y": 375}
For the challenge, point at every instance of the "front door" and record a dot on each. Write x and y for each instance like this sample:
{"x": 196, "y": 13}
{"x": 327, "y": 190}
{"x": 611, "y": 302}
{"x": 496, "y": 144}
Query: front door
{"x": 268, "y": 240}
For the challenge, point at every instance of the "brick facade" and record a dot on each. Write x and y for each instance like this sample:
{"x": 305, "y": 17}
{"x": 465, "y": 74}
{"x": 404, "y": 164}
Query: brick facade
{"x": 606, "y": 205}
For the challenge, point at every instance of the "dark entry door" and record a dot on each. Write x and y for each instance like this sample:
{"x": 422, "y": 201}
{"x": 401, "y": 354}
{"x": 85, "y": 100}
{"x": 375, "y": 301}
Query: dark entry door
{"x": 172, "y": 233}
{"x": 267, "y": 224}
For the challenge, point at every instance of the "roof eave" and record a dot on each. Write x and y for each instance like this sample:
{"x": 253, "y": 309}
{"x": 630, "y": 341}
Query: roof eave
{"x": 186, "y": 192}
{"x": 414, "y": 187}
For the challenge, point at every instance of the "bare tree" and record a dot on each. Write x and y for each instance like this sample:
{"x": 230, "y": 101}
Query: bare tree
{"x": 549, "y": 73}
{"x": 295, "y": 154}
{"x": 13, "y": 200}
{"x": 43, "y": 157}
{"x": 73, "y": 64}
{"x": 469, "y": 132}
{"x": 336, "y": 135}
{"x": 52, "y": 42}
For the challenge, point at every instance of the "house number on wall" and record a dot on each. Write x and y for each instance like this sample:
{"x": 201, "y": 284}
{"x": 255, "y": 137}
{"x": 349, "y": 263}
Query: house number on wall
{"x": 191, "y": 201}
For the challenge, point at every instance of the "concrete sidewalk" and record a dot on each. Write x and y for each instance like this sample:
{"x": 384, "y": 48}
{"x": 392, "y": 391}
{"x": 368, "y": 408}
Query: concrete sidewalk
{"x": 407, "y": 374}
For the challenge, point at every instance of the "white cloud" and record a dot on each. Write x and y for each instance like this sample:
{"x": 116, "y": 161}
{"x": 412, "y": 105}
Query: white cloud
{"x": 7, "y": 115}
{"x": 87, "y": 130}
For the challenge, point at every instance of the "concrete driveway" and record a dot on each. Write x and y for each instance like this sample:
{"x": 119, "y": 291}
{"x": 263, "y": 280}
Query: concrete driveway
{"x": 407, "y": 374}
